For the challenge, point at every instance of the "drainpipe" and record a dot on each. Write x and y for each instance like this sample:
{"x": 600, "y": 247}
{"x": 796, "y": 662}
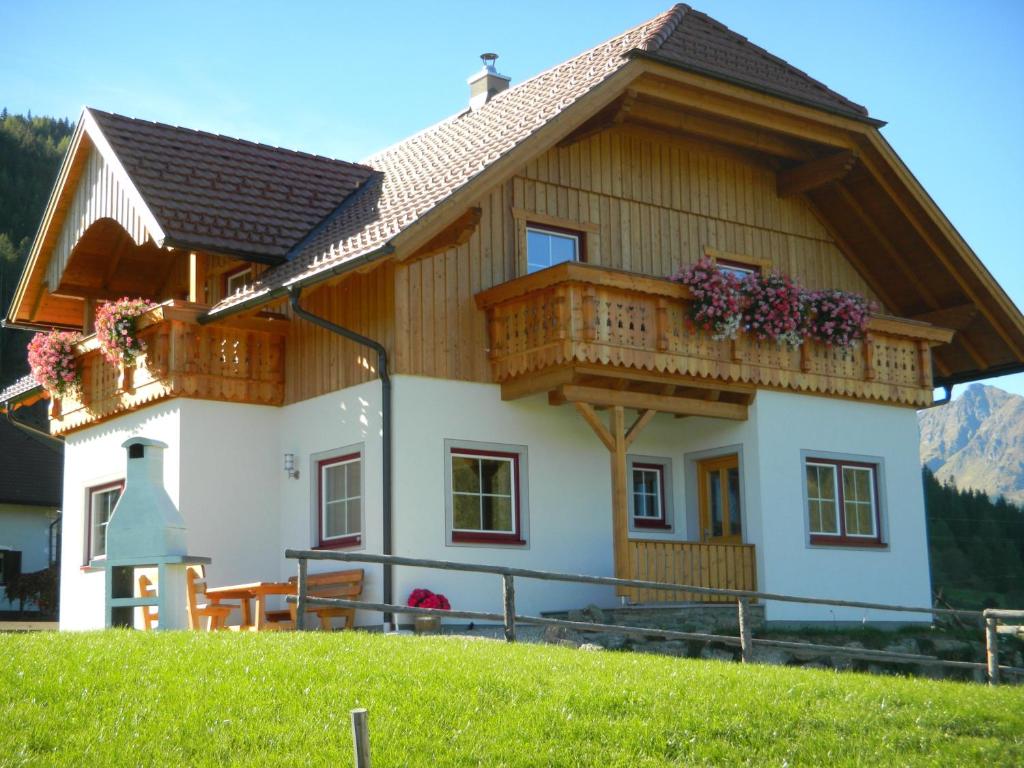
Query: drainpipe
{"x": 385, "y": 386}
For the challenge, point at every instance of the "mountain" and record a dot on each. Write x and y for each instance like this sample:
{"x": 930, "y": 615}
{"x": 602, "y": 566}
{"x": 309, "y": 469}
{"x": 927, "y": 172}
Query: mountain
{"x": 977, "y": 441}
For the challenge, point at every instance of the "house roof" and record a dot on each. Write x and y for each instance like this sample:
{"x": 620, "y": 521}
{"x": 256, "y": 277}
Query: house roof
{"x": 227, "y": 195}
{"x": 31, "y": 468}
{"x": 424, "y": 170}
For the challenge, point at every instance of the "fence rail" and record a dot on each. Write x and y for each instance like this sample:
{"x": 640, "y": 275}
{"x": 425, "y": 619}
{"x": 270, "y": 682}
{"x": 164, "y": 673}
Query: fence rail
{"x": 745, "y": 641}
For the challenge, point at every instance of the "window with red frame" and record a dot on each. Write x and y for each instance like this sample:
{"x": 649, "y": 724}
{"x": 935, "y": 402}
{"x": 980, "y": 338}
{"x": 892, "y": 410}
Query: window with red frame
{"x": 649, "y": 496}
{"x": 340, "y": 501}
{"x": 485, "y": 496}
{"x": 842, "y": 502}
{"x": 101, "y": 501}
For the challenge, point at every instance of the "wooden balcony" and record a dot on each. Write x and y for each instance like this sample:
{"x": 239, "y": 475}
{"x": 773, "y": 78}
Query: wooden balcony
{"x": 562, "y": 329}
{"x": 723, "y": 566}
{"x": 240, "y": 363}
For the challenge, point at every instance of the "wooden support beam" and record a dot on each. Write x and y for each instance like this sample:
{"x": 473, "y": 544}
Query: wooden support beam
{"x": 620, "y": 495}
{"x": 197, "y": 265}
{"x": 667, "y": 379}
{"x": 535, "y": 384}
{"x": 957, "y": 317}
{"x": 574, "y": 393}
{"x": 590, "y": 416}
{"x": 642, "y": 421}
{"x": 814, "y": 174}
{"x": 455, "y": 234}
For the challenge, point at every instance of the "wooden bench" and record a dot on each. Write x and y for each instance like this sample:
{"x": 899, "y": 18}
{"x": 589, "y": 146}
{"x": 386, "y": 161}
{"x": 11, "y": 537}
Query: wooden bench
{"x": 341, "y": 584}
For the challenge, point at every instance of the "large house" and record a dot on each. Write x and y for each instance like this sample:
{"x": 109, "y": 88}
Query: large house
{"x": 465, "y": 346}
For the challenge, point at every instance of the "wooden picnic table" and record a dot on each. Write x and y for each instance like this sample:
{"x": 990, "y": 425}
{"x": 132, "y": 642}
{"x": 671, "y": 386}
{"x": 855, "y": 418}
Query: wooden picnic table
{"x": 258, "y": 591}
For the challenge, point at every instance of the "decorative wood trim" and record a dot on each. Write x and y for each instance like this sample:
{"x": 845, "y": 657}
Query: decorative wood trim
{"x": 544, "y": 219}
{"x": 455, "y": 234}
{"x": 815, "y": 173}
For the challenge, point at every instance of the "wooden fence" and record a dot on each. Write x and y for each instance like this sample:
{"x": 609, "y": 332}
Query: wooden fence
{"x": 746, "y": 642}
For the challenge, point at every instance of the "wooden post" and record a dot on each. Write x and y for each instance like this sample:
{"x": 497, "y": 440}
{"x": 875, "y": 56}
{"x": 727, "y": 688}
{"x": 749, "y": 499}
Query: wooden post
{"x": 509, "y": 600}
{"x": 300, "y": 601}
{"x": 992, "y": 649}
{"x": 197, "y": 277}
{"x": 746, "y": 640}
{"x": 620, "y": 495}
{"x": 361, "y": 738}
{"x": 88, "y": 316}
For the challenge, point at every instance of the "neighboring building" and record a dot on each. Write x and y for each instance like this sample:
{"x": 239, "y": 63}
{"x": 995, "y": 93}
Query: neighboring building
{"x": 510, "y": 261}
{"x": 31, "y": 485}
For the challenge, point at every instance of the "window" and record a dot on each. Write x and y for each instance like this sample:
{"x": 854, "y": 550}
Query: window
{"x": 237, "y": 281}
{"x": 101, "y": 499}
{"x": 648, "y": 495}
{"x": 340, "y": 505}
{"x": 842, "y": 502}
{"x": 735, "y": 268}
{"x": 550, "y": 246}
{"x": 737, "y": 264}
{"x": 485, "y": 499}
{"x": 10, "y": 566}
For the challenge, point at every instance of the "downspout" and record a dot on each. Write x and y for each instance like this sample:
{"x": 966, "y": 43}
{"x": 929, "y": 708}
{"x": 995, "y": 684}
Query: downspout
{"x": 295, "y": 293}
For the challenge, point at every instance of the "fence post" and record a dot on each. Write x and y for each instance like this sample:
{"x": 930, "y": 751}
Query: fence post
{"x": 508, "y": 589}
{"x": 991, "y": 648}
{"x": 361, "y": 738}
{"x": 300, "y": 600}
{"x": 746, "y": 639}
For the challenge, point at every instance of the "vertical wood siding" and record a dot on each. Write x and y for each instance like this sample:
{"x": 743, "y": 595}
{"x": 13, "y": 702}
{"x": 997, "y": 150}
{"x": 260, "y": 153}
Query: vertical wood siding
{"x": 655, "y": 206}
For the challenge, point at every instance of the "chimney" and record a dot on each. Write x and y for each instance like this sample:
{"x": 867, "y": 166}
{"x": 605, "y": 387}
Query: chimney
{"x": 145, "y": 523}
{"x": 486, "y": 83}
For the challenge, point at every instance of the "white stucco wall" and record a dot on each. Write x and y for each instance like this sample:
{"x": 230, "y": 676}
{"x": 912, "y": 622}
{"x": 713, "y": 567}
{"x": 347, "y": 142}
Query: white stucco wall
{"x": 898, "y": 573}
{"x": 224, "y": 468}
{"x": 27, "y": 530}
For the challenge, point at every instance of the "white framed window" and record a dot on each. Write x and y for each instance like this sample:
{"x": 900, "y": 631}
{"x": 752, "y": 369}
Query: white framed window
{"x": 485, "y": 493}
{"x": 650, "y": 492}
{"x": 546, "y": 246}
{"x": 237, "y": 281}
{"x": 842, "y": 502}
{"x": 100, "y": 500}
{"x": 339, "y": 481}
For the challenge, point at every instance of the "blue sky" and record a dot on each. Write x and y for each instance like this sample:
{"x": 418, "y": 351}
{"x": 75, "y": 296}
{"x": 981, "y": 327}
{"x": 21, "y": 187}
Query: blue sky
{"x": 344, "y": 78}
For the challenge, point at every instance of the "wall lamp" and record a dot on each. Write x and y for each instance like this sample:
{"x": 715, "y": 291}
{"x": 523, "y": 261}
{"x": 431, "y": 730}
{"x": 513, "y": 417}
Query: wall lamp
{"x": 289, "y": 466}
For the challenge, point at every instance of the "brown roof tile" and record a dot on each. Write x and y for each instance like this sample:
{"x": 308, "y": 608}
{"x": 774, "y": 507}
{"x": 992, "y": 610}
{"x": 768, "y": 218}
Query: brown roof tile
{"x": 217, "y": 193}
{"x": 425, "y": 169}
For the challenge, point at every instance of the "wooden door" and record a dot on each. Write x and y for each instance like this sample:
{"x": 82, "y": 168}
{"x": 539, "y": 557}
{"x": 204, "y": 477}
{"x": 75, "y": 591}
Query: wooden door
{"x": 721, "y": 518}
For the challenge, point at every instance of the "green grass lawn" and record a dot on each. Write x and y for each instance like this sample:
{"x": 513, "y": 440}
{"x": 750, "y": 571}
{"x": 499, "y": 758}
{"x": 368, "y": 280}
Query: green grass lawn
{"x": 133, "y": 698}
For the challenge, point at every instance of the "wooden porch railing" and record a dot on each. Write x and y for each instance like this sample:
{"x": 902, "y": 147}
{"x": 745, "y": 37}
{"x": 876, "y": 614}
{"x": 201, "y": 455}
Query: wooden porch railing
{"x": 579, "y": 314}
{"x": 722, "y": 566}
{"x": 242, "y": 363}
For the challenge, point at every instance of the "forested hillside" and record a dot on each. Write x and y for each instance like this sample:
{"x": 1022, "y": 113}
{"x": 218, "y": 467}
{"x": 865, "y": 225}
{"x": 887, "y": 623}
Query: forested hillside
{"x": 31, "y": 149}
{"x": 976, "y": 546}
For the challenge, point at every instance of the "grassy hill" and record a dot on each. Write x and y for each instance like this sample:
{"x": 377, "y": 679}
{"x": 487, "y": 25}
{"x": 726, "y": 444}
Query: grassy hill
{"x": 122, "y": 698}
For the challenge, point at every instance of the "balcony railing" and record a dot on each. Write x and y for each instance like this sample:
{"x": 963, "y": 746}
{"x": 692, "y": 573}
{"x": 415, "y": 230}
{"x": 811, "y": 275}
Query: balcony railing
{"x": 242, "y": 363}
{"x": 577, "y": 314}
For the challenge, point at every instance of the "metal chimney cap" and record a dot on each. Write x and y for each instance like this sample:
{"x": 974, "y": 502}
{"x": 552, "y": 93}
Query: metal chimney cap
{"x": 488, "y": 59}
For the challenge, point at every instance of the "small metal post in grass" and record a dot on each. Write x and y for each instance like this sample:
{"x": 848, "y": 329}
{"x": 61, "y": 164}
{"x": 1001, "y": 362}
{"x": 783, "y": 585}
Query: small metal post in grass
{"x": 992, "y": 648}
{"x": 746, "y": 638}
{"x": 361, "y": 738}
{"x": 300, "y": 600}
{"x": 509, "y": 601}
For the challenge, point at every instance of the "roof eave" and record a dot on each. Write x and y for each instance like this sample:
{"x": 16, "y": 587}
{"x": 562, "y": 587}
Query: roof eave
{"x": 851, "y": 114}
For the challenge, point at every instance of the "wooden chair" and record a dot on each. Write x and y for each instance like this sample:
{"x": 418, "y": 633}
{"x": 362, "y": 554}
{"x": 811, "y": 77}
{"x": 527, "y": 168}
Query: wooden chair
{"x": 149, "y": 613}
{"x": 341, "y": 584}
{"x": 215, "y": 612}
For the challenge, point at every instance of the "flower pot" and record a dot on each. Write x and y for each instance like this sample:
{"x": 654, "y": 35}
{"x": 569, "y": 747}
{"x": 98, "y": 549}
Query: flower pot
{"x": 428, "y": 625}
{"x": 126, "y": 378}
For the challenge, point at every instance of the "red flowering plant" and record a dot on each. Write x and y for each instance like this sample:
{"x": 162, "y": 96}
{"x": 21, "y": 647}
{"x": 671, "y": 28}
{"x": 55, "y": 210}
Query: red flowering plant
{"x": 716, "y": 305}
{"x": 116, "y": 326}
{"x": 838, "y": 318}
{"x": 774, "y": 308}
{"x": 51, "y": 358}
{"x": 424, "y": 598}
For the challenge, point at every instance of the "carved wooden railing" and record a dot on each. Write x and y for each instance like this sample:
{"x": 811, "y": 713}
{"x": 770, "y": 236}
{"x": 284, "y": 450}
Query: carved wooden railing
{"x": 721, "y": 566}
{"x": 242, "y": 363}
{"x": 581, "y": 314}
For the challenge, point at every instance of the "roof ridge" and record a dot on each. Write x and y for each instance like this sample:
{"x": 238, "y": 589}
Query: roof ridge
{"x": 223, "y": 137}
{"x": 659, "y": 35}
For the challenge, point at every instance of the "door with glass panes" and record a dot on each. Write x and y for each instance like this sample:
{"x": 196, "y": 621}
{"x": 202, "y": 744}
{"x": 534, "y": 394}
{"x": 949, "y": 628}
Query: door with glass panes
{"x": 721, "y": 518}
